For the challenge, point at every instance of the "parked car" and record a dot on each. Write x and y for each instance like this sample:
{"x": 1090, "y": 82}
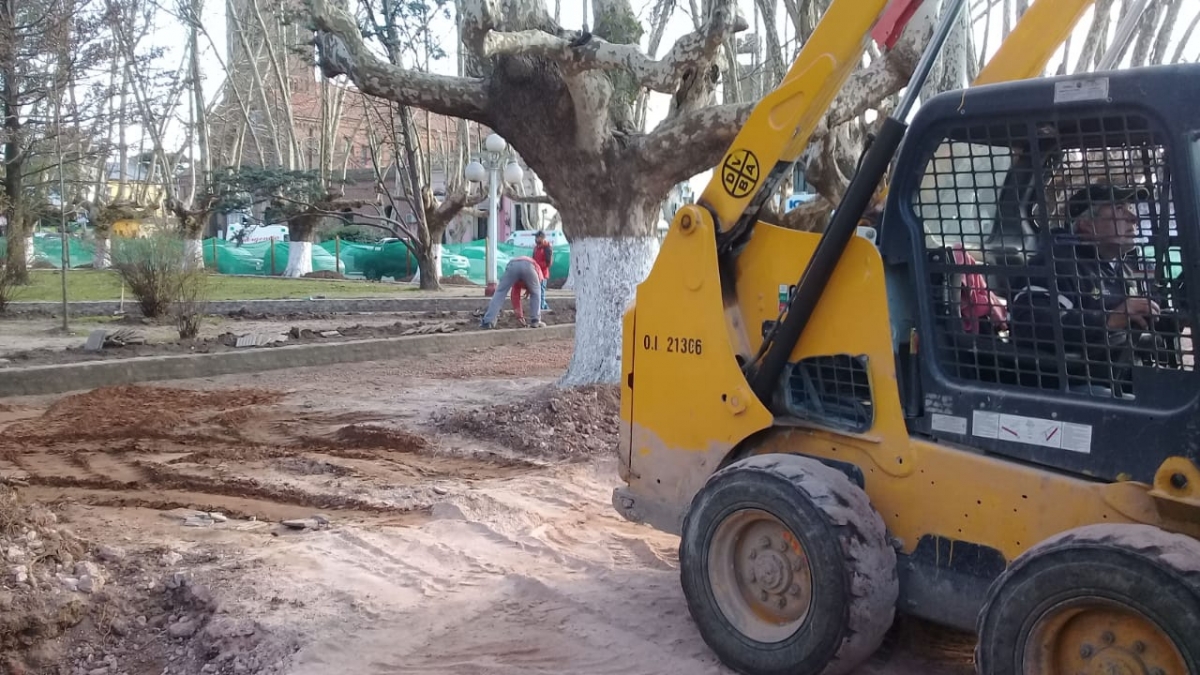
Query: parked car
{"x": 524, "y": 238}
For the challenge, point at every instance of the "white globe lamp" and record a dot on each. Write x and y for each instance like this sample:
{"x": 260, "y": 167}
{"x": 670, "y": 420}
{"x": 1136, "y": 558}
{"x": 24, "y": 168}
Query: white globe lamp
{"x": 494, "y": 143}
{"x": 513, "y": 173}
{"x": 476, "y": 173}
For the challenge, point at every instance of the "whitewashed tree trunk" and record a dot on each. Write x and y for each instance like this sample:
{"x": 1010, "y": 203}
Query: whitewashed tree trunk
{"x": 102, "y": 259}
{"x": 437, "y": 260}
{"x": 29, "y": 252}
{"x": 607, "y": 272}
{"x": 193, "y": 253}
{"x": 299, "y": 259}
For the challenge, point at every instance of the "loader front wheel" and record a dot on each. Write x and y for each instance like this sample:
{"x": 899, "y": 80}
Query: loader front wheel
{"x": 1096, "y": 600}
{"x": 787, "y": 568}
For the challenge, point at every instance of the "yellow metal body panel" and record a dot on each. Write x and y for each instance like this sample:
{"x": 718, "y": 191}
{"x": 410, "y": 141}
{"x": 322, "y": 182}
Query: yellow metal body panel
{"x": 682, "y": 385}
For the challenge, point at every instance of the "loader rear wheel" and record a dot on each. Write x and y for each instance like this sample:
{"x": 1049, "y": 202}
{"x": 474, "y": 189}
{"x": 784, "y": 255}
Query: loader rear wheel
{"x": 786, "y": 568}
{"x": 1096, "y": 600}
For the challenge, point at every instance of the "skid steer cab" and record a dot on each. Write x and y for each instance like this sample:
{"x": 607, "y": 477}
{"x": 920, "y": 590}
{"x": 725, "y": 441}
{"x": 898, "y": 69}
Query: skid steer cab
{"x": 991, "y": 419}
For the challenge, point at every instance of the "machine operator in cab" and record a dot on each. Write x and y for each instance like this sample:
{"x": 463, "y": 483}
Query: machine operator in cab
{"x": 1105, "y": 319}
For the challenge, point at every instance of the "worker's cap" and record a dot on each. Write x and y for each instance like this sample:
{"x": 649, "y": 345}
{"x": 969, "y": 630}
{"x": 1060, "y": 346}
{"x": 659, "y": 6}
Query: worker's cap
{"x": 1101, "y": 194}
{"x": 540, "y": 234}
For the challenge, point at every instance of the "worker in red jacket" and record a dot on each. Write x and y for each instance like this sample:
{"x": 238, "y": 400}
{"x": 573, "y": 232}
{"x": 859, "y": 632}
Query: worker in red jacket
{"x": 543, "y": 255}
{"x": 521, "y": 274}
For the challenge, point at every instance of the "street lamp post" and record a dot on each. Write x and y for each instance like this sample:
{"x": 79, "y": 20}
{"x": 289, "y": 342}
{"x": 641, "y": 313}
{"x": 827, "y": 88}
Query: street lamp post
{"x": 488, "y": 167}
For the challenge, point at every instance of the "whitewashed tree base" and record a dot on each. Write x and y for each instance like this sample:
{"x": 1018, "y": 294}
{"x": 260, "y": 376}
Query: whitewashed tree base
{"x": 29, "y": 253}
{"x": 299, "y": 259}
{"x": 193, "y": 253}
{"x": 102, "y": 258}
{"x": 607, "y": 272}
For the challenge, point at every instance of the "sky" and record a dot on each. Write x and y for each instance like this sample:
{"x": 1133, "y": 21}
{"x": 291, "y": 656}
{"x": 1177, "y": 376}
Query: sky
{"x": 172, "y": 37}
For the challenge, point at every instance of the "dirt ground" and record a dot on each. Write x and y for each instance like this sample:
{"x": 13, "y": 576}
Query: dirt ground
{"x": 444, "y": 515}
{"x": 220, "y": 333}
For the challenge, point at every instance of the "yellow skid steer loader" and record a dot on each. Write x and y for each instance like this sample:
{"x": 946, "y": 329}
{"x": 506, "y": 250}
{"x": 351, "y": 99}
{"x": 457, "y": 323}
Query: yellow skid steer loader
{"x": 985, "y": 413}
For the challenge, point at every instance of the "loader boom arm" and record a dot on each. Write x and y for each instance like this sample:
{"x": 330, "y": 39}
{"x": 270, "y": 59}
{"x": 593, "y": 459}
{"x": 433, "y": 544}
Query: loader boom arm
{"x": 782, "y": 123}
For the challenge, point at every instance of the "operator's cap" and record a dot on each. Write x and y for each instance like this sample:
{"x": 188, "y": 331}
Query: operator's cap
{"x": 1100, "y": 193}
{"x": 540, "y": 234}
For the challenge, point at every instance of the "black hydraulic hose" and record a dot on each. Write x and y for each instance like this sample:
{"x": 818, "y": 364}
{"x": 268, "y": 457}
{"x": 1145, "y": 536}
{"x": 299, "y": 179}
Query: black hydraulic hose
{"x": 782, "y": 340}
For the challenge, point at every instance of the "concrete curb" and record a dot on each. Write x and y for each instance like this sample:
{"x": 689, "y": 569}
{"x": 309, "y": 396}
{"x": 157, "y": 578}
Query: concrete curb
{"x": 306, "y": 305}
{"x": 59, "y": 378}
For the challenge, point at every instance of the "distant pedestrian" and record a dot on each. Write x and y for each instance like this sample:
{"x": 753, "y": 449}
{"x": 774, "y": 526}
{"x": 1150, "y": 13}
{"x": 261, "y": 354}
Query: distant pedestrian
{"x": 521, "y": 273}
{"x": 543, "y": 254}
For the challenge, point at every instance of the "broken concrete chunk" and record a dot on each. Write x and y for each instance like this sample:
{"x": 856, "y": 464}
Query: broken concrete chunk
{"x": 311, "y": 523}
{"x": 260, "y": 339}
{"x": 90, "y": 584}
{"x": 95, "y": 340}
{"x": 123, "y": 337}
{"x": 446, "y": 511}
{"x": 183, "y": 628}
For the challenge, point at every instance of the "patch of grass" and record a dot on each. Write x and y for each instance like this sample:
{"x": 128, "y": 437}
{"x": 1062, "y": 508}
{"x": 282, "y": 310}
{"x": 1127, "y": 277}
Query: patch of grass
{"x": 106, "y": 285}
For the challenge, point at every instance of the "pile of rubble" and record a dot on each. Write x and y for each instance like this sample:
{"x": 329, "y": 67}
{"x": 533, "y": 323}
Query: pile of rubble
{"x": 554, "y": 424}
{"x": 47, "y": 578}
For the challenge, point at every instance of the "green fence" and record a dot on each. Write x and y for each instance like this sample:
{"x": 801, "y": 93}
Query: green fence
{"x": 372, "y": 261}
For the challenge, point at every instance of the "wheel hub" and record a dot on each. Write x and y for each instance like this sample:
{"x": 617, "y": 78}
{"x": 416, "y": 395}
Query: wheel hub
{"x": 1100, "y": 637}
{"x": 760, "y": 575}
{"x": 772, "y": 572}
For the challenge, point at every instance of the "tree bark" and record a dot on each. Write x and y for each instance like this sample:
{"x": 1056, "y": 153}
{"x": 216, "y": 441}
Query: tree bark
{"x": 429, "y": 265}
{"x": 102, "y": 257}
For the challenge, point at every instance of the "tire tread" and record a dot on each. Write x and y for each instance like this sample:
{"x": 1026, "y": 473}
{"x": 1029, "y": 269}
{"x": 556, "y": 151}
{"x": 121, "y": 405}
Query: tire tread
{"x": 1172, "y": 552}
{"x": 866, "y": 547}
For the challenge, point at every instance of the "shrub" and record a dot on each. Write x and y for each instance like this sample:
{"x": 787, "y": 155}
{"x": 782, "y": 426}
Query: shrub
{"x": 157, "y": 273}
{"x": 150, "y": 267}
{"x": 191, "y": 301}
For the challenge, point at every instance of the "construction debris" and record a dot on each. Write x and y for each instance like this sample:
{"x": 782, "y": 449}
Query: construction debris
{"x": 102, "y": 338}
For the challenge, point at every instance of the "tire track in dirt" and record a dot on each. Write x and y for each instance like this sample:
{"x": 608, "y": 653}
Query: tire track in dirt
{"x": 241, "y": 452}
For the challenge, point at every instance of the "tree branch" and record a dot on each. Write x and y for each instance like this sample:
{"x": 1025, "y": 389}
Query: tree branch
{"x": 589, "y": 52}
{"x": 884, "y": 76}
{"x": 342, "y": 52}
{"x": 692, "y": 142}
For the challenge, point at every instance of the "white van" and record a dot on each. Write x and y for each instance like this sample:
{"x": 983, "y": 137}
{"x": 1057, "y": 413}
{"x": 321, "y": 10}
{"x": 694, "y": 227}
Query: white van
{"x": 259, "y": 233}
{"x": 525, "y": 238}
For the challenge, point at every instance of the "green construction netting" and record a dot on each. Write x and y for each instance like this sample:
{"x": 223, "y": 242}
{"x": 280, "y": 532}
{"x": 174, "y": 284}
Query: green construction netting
{"x": 373, "y": 261}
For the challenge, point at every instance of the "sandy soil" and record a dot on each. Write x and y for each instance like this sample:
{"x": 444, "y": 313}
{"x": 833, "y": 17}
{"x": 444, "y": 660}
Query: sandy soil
{"x": 28, "y": 342}
{"x": 428, "y": 544}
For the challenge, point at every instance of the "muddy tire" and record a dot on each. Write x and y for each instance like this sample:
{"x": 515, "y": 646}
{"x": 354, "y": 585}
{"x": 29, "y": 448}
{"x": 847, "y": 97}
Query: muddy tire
{"x": 787, "y": 568}
{"x": 1097, "y": 599}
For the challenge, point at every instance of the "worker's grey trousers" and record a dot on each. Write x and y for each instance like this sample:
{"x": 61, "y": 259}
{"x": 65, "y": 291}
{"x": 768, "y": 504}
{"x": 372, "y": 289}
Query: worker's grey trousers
{"x": 524, "y": 272}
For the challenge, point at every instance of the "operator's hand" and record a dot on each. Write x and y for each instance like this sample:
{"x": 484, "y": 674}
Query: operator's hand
{"x": 521, "y": 321}
{"x": 1134, "y": 312}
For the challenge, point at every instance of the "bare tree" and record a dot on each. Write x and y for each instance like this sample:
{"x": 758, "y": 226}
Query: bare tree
{"x": 404, "y": 30}
{"x": 43, "y": 46}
